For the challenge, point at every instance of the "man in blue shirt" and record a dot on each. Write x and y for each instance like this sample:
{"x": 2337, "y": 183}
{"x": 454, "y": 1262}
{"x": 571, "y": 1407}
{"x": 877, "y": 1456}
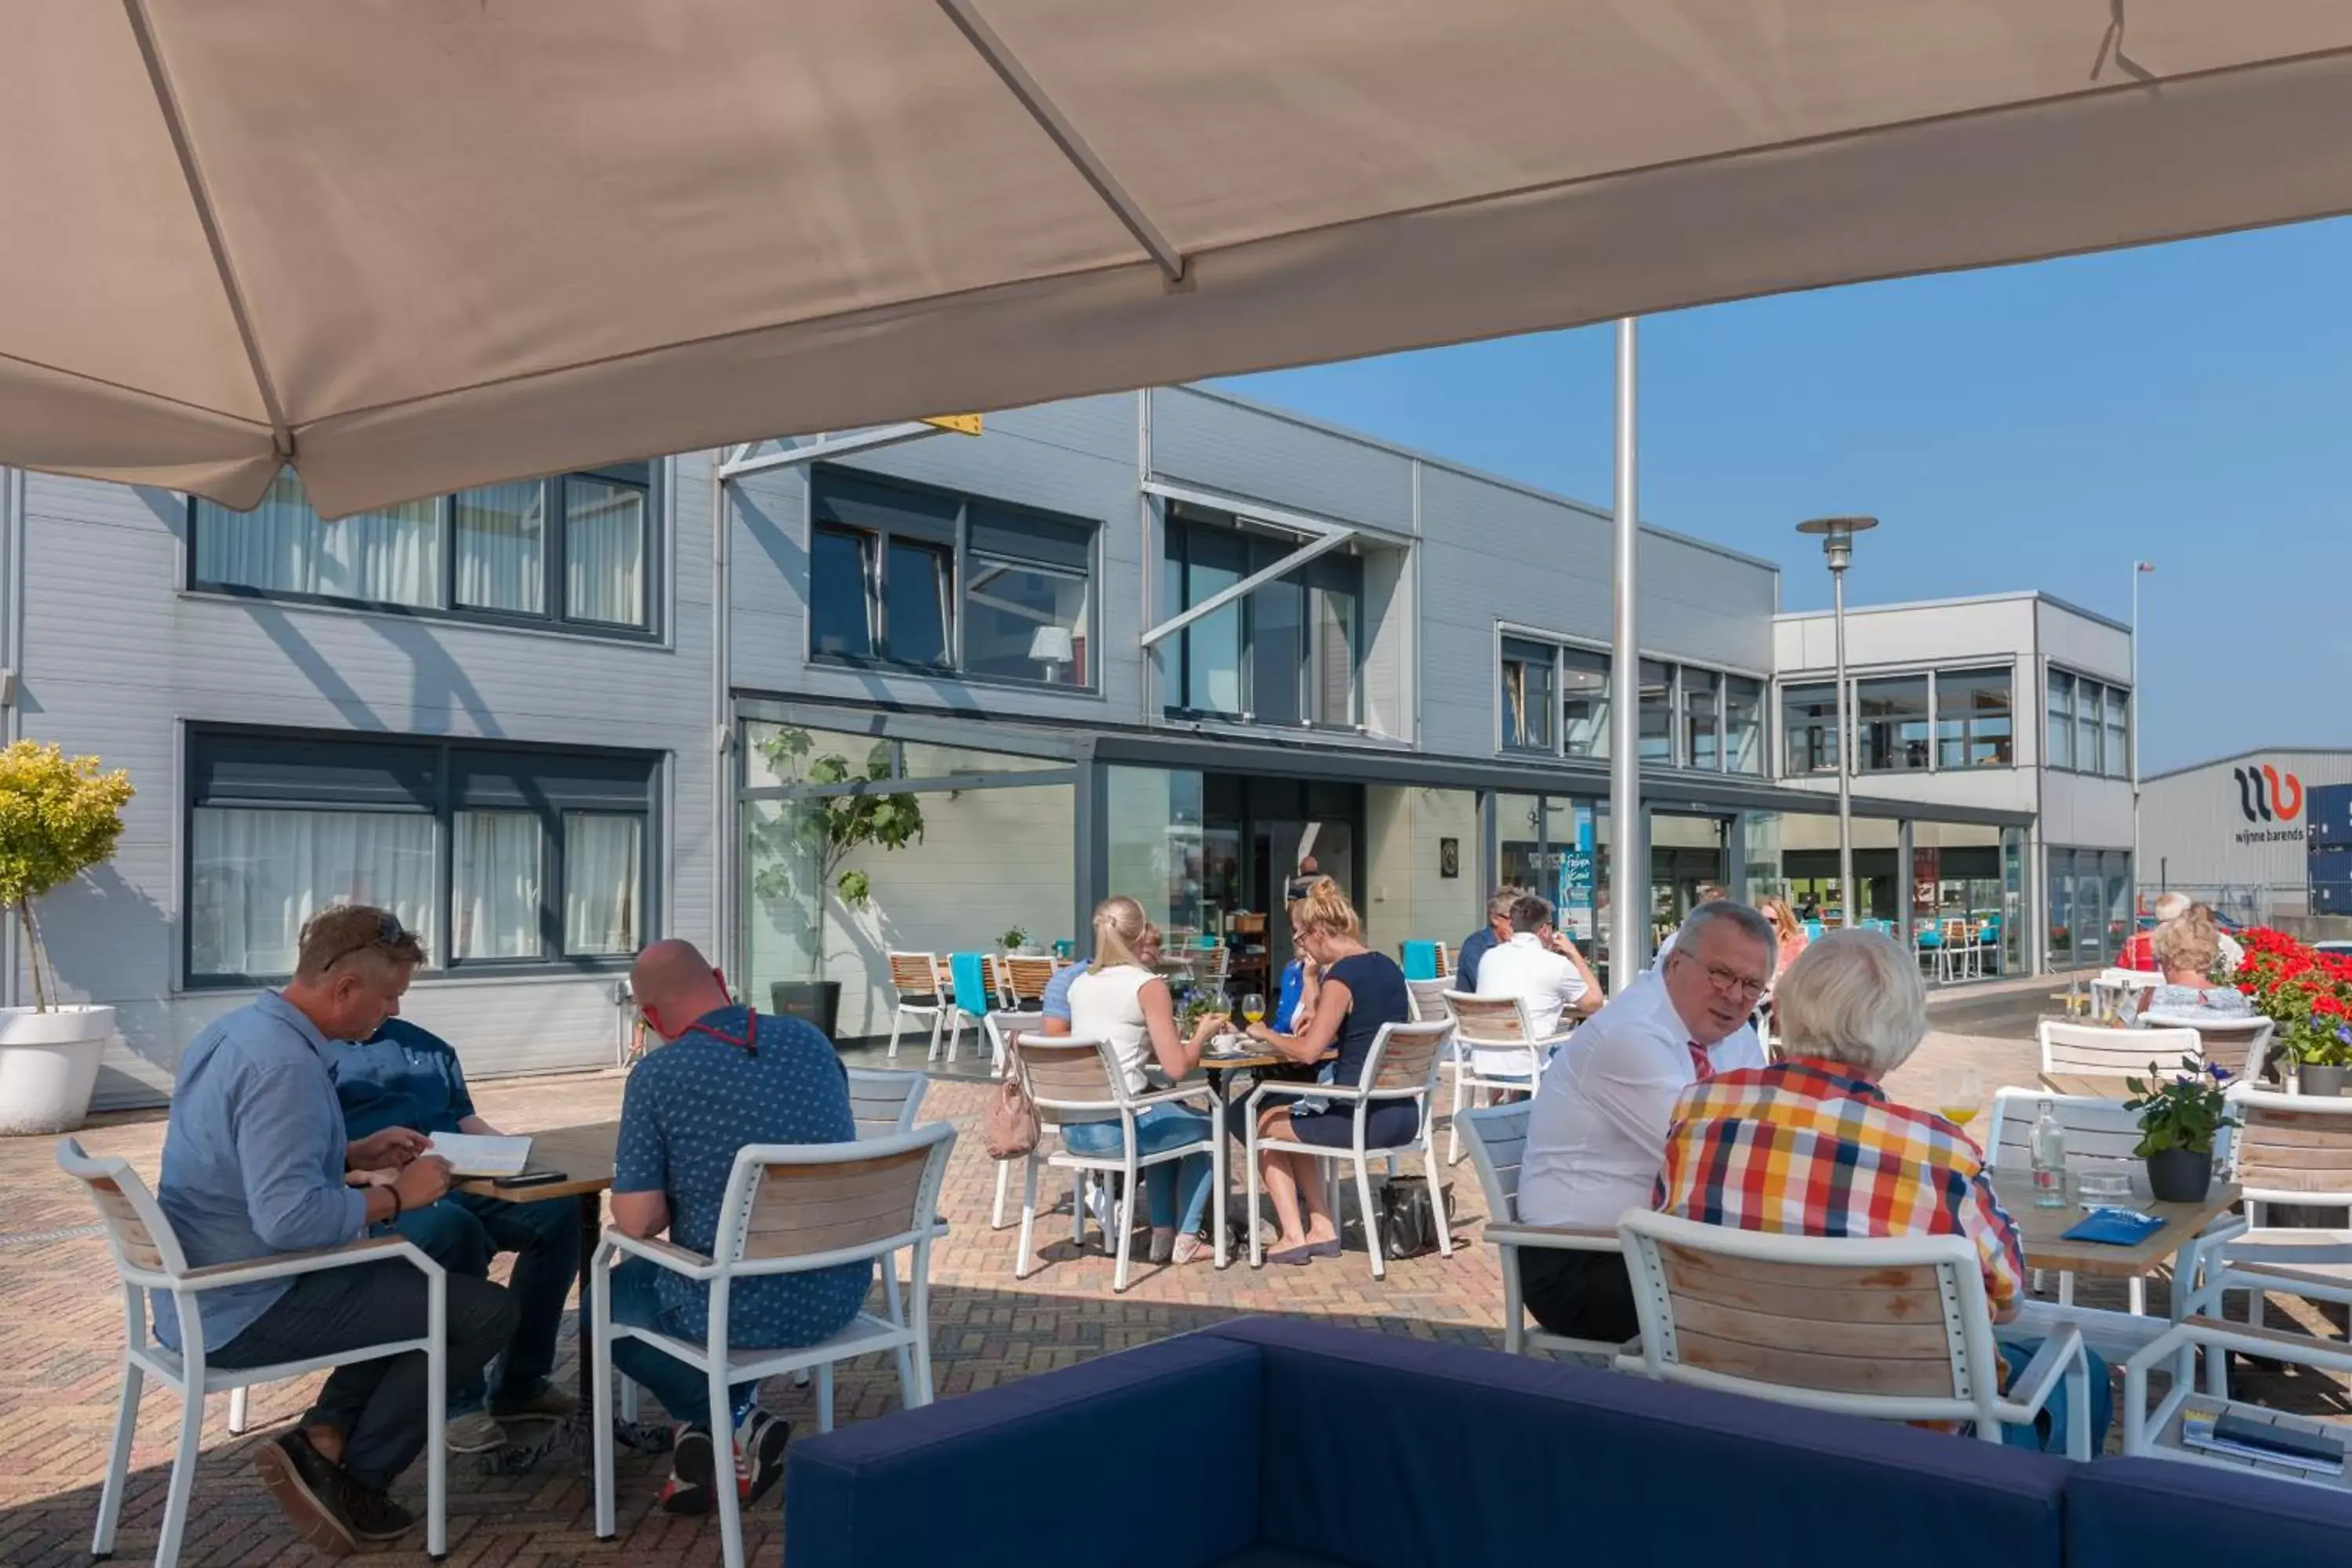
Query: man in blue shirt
{"x": 1483, "y": 941}
{"x": 1055, "y": 1006}
{"x": 726, "y": 1078}
{"x": 256, "y": 1162}
{"x": 405, "y": 1076}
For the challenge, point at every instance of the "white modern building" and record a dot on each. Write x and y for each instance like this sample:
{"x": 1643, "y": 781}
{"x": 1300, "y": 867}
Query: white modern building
{"x": 1169, "y": 643}
{"x": 2235, "y": 832}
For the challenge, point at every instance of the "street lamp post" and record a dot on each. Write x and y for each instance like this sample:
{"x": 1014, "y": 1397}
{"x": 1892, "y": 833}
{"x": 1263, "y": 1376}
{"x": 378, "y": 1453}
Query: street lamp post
{"x": 1837, "y": 546}
{"x": 2139, "y": 569}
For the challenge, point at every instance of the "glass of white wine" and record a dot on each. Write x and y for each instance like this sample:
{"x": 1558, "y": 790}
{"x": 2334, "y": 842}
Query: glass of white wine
{"x": 1961, "y": 1096}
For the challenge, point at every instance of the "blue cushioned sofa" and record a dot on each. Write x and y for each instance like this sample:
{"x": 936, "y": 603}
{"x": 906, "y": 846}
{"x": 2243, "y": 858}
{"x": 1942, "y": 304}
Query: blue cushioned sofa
{"x": 1290, "y": 1443}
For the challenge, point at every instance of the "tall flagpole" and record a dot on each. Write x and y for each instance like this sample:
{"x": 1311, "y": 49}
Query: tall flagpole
{"x": 2139, "y": 568}
{"x": 1629, "y": 855}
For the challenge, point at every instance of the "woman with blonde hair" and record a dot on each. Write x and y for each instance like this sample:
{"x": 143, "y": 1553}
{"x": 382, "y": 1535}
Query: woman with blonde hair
{"x": 1352, "y": 992}
{"x": 1120, "y": 1000}
{"x": 1787, "y": 928}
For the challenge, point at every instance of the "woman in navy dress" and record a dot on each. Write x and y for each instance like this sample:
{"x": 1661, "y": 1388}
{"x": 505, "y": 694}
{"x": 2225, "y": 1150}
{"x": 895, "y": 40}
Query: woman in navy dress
{"x": 1352, "y": 992}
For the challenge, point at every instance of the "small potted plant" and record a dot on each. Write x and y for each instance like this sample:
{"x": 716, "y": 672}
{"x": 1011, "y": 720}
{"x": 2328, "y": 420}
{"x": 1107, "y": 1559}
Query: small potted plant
{"x": 2323, "y": 1058}
{"x": 1014, "y": 940}
{"x": 59, "y": 817}
{"x": 2179, "y": 1119}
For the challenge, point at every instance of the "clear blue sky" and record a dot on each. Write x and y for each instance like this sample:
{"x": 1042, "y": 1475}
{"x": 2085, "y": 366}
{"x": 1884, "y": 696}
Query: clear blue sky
{"x": 2027, "y": 428}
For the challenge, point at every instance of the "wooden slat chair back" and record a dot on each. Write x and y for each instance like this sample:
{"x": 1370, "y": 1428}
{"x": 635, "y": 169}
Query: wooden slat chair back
{"x": 993, "y": 978}
{"x": 2240, "y": 1047}
{"x": 1428, "y": 999}
{"x": 1405, "y": 1056}
{"x": 1070, "y": 1078}
{"x": 883, "y": 1103}
{"x": 2100, "y": 1134}
{"x": 2093, "y": 1049}
{"x": 145, "y": 1251}
{"x": 1027, "y": 975}
{"x": 1212, "y": 966}
{"x": 795, "y": 1202}
{"x": 2292, "y": 1148}
{"x": 916, "y": 977}
{"x": 1490, "y": 1020}
{"x": 1445, "y": 960}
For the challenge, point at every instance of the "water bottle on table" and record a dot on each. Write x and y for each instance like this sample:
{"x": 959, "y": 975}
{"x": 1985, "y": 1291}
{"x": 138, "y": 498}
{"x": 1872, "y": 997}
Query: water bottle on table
{"x": 2049, "y": 1159}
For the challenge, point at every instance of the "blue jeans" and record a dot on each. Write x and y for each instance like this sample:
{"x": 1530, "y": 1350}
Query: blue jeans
{"x": 683, "y": 1390}
{"x": 462, "y": 1233}
{"x": 2049, "y": 1434}
{"x": 1161, "y": 1127}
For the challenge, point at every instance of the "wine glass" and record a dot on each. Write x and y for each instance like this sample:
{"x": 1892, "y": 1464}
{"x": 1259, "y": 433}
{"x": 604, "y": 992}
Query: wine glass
{"x": 1253, "y": 1008}
{"x": 1959, "y": 1095}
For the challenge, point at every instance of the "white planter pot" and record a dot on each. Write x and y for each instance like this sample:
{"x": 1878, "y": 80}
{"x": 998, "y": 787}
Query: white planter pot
{"x": 48, "y": 1063}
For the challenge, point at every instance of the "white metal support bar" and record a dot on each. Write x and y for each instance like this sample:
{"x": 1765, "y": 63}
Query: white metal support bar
{"x": 966, "y": 15}
{"x": 826, "y": 447}
{"x": 1249, "y": 585}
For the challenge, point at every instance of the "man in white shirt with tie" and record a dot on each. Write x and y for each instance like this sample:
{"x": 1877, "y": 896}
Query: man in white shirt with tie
{"x": 1596, "y": 1133}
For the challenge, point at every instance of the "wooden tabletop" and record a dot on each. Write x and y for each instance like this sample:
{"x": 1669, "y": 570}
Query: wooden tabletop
{"x": 2040, "y": 1229}
{"x": 583, "y": 1153}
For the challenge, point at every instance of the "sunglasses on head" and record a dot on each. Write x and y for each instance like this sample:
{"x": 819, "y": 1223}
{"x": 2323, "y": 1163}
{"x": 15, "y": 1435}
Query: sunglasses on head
{"x": 389, "y": 934}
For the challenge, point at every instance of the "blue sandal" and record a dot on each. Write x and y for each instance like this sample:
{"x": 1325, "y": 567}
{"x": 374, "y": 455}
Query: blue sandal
{"x": 1303, "y": 1253}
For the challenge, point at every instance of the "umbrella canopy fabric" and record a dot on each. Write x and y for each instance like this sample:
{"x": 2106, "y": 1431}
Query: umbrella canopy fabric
{"x": 414, "y": 245}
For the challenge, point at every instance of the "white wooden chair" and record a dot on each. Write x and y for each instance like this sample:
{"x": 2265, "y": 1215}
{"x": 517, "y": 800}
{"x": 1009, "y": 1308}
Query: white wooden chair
{"x": 789, "y": 1208}
{"x": 918, "y": 987}
{"x": 1074, "y": 1079}
{"x": 883, "y": 1104}
{"x": 1400, "y": 1066}
{"x": 2101, "y": 1137}
{"x": 992, "y": 998}
{"x": 2118, "y": 1053}
{"x": 1497, "y": 1137}
{"x": 2287, "y": 1149}
{"x": 2119, "y": 993}
{"x": 1895, "y": 1328}
{"x": 2149, "y": 1433}
{"x": 2240, "y": 1046}
{"x": 1427, "y": 999}
{"x": 1495, "y": 1048}
{"x": 147, "y": 1257}
{"x": 1212, "y": 966}
{"x": 1002, "y": 1029}
{"x": 1026, "y": 975}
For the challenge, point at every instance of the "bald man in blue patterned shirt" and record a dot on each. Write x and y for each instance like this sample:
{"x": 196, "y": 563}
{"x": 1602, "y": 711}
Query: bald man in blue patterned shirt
{"x": 727, "y": 1079}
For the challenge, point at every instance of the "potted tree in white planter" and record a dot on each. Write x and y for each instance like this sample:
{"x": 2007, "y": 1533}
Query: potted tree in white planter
{"x": 60, "y": 815}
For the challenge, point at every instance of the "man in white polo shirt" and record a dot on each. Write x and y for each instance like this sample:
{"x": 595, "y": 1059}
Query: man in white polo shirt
{"x": 1597, "y": 1133}
{"x": 1541, "y": 968}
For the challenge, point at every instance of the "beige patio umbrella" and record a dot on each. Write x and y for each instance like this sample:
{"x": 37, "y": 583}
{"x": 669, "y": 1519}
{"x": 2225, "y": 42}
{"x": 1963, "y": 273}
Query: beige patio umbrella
{"x": 413, "y": 244}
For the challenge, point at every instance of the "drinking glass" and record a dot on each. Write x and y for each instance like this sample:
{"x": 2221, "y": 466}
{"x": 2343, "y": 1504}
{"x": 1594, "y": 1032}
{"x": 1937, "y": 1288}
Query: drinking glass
{"x": 1961, "y": 1095}
{"x": 1253, "y": 1008}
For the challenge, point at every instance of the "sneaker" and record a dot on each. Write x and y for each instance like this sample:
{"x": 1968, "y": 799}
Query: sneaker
{"x": 475, "y": 1432}
{"x": 693, "y": 1472}
{"x": 310, "y": 1490}
{"x": 549, "y": 1401}
{"x": 374, "y": 1516}
{"x": 760, "y": 1447}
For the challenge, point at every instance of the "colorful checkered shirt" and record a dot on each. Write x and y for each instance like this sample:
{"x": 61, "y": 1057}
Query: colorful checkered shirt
{"x": 1802, "y": 1148}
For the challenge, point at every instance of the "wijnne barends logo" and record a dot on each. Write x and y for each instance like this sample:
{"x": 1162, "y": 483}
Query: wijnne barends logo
{"x": 2266, "y": 796}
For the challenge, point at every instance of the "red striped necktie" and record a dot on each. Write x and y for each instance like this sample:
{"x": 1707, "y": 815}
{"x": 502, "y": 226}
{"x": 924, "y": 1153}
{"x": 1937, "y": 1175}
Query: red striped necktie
{"x": 1702, "y": 1067}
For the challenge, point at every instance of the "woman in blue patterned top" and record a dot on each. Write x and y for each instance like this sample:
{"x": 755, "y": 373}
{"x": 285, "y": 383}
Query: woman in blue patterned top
{"x": 1355, "y": 992}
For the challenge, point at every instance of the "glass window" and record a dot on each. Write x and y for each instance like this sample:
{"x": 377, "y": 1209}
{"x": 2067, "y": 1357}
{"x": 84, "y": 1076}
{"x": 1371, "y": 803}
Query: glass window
{"x": 495, "y": 538}
{"x": 502, "y": 548}
{"x": 255, "y": 875}
{"x": 1702, "y": 744}
{"x": 601, "y": 881}
{"x": 915, "y": 582}
{"x": 1025, "y": 597}
{"x": 1276, "y": 631}
{"x": 2086, "y": 727}
{"x": 1527, "y": 695}
{"x": 2062, "y": 722}
{"x": 605, "y": 551}
{"x": 495, "y": 861}
{"x": 2118, "y": 733}
{"x": 1891, "y": 718}
{"x": 2058, "y": 882}
{"x": 388, "y": 557}
{"x": 1215, "y": 558}
{"x": 1288, "y": 653}
{"x": 1743, "y": 724}
{"x": 841, "y": 613}
{"x": 535, "y": 843}
{"x": 1331, "y": 680}
{"x": 1584, "y": 702}
{"x": 1809, "y": 727}
{"x": 1657, "y": 713}
{"x": 1972, "y": 719}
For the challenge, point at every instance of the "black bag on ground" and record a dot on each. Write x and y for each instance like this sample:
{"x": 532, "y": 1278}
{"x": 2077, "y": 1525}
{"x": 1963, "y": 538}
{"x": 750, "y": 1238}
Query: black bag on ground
{"x": 1408, "y": 1226}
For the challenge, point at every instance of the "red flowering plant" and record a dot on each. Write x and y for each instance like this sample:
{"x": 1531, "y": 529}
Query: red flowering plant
{"x": 2307, "y": 993}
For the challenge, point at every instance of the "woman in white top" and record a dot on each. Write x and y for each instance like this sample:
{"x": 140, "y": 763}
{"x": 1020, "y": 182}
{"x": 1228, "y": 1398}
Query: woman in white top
{"x": 2188, "y": 951}
{"x": 1122, "y": 1001}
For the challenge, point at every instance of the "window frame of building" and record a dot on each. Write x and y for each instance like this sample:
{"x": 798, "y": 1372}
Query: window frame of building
{"x": 553, "y": 570}
{"x": 1590, "y": 660}
{"x": 1588, "y": 736}
{"x": 1753, "y": 693}
{"x": 1699, "y": 690}
{"x": 1973, "y": 726}
{"x": 1527, "y": 716}
{"x": 1271, "y": 689}
{"x": 1816, "y": 733}
{"x": 1883, "y": 745}
{"x": 434, "y": 781}
{"x": 893, "y": 519}
{"x": 2096, "y": 711}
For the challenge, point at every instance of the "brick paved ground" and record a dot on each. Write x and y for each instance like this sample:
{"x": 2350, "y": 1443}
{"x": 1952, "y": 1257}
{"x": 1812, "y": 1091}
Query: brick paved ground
{"x": 60, "y": 1328}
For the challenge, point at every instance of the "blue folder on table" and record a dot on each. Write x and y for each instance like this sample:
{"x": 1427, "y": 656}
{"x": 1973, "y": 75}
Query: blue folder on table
{"x": 2115, "y": 1228}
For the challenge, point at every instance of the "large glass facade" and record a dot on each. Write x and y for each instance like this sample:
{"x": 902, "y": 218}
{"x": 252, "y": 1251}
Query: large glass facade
{"x": 1805, "y": 848}
{"x": 1557, "y": 846}
{"x": 1960, "y": 886}
{"x": 2089, "y": 893}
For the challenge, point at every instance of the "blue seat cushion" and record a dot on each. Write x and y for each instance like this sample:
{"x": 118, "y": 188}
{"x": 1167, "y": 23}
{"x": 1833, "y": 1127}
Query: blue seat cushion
{"x": 2130, "y": 1513}
{"x": 1000, "y": 1475}
{"x": 1392, "y": 1453}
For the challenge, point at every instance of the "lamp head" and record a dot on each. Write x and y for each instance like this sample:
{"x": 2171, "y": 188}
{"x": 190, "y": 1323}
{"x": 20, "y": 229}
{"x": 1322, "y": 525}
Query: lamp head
{"x": 1837, "y": 537}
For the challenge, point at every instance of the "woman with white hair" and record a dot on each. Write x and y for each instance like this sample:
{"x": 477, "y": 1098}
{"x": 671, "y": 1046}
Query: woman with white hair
{"x": 1811, "y": 1144}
